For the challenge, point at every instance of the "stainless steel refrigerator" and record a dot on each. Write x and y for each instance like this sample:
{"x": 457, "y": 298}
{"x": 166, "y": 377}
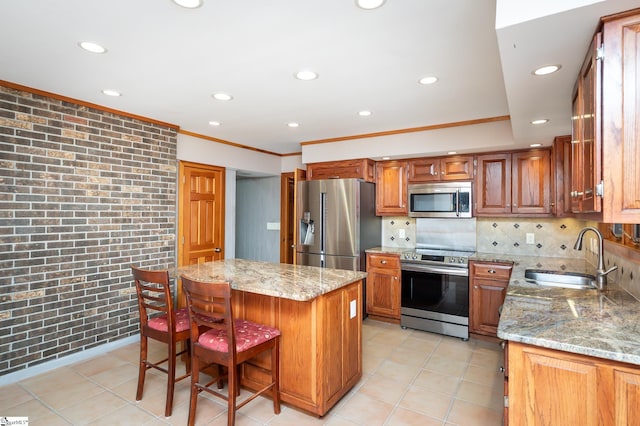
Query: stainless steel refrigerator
{"x": 337, "y": 222}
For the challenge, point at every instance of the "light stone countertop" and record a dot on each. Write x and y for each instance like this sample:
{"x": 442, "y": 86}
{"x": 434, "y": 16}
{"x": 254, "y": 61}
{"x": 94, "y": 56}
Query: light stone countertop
{"x": 600, "y": 324}
{"x": 295, "y": 282}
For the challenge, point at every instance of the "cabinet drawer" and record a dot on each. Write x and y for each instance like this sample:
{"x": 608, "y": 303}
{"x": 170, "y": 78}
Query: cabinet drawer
{"x": 383, "y": 261}
{"x": 492, "y": 270}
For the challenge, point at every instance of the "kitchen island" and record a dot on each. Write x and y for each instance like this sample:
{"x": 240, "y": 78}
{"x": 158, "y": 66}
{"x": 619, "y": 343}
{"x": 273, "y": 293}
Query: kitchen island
{"x": 573, "y": 355}
{"x": 319, "y": 313}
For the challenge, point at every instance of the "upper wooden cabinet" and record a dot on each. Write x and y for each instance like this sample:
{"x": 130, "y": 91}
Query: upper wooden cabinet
{"x": 391, "y": 188}
{"x": 586, "y": 170}
{"x": 517, "y": 183}
{"x": 561, "y": 166}
{"x": 441, "y": 168}
{"x": 362, "y": 169}
{"x": 620, "y": 112}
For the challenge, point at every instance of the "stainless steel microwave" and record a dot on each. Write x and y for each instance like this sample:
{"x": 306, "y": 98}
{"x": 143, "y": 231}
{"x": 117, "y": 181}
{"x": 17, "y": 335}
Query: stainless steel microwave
{"x": 440, "y": 200}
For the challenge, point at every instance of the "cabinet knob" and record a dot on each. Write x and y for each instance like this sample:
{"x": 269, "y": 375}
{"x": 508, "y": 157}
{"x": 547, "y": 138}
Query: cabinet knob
{"x": 491, "y": 271}
{"x": 515, "y": 205}
{"x": 508, "y": 205}
{"x": 475, "y": 286}
{"x": 384, "y": 262}
{"x": 395, "y": 278}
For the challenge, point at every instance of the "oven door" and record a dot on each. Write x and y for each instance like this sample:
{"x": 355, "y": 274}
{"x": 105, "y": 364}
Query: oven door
{"x": 434, "y": 291}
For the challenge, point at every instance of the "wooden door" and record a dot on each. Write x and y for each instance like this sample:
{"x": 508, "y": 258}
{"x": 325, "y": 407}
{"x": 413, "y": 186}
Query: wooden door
{"x": 299, "y": 175}
{"x": 200, "y": 213}
{"x": 287, "y": 219}
{"x": 531, "y": 182}
{"x": 493, "y": 188}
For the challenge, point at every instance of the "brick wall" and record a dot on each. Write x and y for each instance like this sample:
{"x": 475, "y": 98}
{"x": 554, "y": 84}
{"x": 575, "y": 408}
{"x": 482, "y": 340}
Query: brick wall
{"x": 83, "y": 194}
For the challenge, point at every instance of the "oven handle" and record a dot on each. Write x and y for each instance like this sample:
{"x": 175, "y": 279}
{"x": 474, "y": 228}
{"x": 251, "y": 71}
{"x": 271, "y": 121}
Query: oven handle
{"x": 460, "y": 272}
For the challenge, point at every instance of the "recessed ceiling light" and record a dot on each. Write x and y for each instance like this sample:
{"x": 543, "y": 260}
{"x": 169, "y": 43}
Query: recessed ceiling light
{"x": 535, "y": 145}
{"x": 189, "y": 4}
{"x": 364, "y": 113}
{"x": 369, "y": 4}
{"x": 222, "y": 96}
{"x": 306, "y": 75}
{"x": 540, "y": 121}
{"x": 92, "y": 47}
{"x": 110, "y": 92}
{"x": 547, "y": 69}
{"x": 214, "y": 123}
{"x": 292, "y": 124}
{"x": 428, "y": 80}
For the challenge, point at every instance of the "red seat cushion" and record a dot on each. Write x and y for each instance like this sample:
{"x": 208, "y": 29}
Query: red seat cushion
{"x": 248, "y": 335}
{"x": 160, "y": 322}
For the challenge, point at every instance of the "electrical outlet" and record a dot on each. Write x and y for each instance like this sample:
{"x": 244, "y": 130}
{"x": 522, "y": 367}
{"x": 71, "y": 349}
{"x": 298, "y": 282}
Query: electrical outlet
{"x": 531, "y": 238}
{"x": 401, "y": 233}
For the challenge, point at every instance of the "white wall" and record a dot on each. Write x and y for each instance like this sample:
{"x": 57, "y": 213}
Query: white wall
{"x": 490, "y": 136}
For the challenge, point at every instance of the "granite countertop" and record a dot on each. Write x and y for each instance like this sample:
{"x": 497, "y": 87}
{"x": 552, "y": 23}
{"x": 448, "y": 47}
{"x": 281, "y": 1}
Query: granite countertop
{"x": 387, "y": 250}
{"x": 601, "y": 324}
{"x": 295, "y": 282}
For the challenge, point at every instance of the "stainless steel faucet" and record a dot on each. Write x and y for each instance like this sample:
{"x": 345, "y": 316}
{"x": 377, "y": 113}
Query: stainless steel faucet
{"x": 601, "y": 274}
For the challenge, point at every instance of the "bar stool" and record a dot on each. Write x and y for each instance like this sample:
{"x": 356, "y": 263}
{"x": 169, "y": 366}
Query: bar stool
{"x": 227, "y": 342}
{"x": 159, "y": 321}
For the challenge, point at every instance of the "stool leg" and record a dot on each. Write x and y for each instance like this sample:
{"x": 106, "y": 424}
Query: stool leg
{"x": 142, "y": 366}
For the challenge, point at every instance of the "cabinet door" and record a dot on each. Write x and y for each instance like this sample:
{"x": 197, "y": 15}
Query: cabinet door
{"x": 456, "y": 168}
{"x": 383, "y": 292}
{"x": 493, "y": 184}
{"x": 586, "y": 132}
{"x": 391, "y": 188}
{"x": 486, "y": 297}
{"x": 561, "y": 190}
{"x": 531, "y": 182}
{"x": 550, "y": 388}
{"x": 424, "y": 170}
{"x": 621, "y": 127}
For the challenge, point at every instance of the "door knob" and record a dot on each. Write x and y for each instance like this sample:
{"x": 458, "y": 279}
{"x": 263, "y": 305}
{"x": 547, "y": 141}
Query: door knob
{"x": 217, "y": 249}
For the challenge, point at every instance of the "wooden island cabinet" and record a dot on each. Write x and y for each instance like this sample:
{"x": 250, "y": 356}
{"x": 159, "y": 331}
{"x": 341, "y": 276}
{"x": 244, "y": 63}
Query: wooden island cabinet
{"x": 319, "y": 314}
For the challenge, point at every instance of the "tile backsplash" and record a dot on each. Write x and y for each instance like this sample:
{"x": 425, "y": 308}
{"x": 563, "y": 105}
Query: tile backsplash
{"x": 553, "y": 237}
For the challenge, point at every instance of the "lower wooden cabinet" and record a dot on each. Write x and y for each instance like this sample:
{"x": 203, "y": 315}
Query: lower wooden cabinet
{"x": 383, "y": 286}
{"x": 320, "y": 345}
{"x": 550, "y": 387}
{"x": 488, "y": 287}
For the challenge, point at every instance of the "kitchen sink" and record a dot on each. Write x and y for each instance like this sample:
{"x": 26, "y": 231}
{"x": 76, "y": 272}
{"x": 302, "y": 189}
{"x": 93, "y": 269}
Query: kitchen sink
{"x": 573, "y": 280}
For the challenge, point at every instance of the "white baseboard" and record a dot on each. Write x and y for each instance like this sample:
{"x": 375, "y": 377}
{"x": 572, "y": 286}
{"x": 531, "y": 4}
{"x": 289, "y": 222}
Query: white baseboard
{"x": 67, "y": 360}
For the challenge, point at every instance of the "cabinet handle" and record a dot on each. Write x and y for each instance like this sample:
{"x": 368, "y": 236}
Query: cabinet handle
{"x": 491, "y": 271}
{"x": 384, "y": 262}
{"x": 475, "y": 286}
{"x": 395, "y": 278}
{"x": 508, "y": 205}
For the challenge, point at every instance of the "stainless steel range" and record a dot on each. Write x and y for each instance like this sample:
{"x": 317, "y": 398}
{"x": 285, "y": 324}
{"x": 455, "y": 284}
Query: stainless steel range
{"x": 435, "y": 278}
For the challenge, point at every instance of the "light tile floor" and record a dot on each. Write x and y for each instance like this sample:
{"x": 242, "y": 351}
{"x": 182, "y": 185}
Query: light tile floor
{"x": 410, "y": 377}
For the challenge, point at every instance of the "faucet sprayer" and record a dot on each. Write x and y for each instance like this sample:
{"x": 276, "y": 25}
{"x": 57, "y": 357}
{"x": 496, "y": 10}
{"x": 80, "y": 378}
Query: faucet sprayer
{"x": 601, "y": 273}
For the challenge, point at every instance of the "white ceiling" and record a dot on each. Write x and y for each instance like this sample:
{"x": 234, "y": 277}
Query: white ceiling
{"x": 168, "y": 61}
